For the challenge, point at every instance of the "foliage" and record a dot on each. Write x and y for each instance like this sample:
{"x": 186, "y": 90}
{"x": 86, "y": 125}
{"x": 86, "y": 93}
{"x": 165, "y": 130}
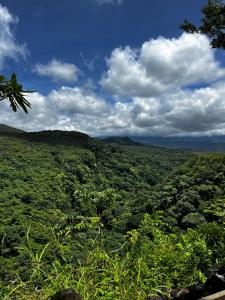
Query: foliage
{"x": 147, "y": 264}
{"x": 212, "y": 23}
{"x": 194, "y": 193}
{"x": 12, "y": 91}
{"x": 112, "y": 222}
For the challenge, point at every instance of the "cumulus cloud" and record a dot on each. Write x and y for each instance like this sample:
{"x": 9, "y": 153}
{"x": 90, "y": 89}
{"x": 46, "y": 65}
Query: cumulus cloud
{"x": 9, "y": 47}
{"x": 115, "y": 2}
{"x": 66, "y": 108}
{"x": 201, "y": 110}
{"x": 76, "y": 100}
{"x": 58, "y": 71}
{"x": 181, "y": 112}
{"x": 185, "y": 112}
{"x": 161, "y": 65}
{"x": 154, "y": 93}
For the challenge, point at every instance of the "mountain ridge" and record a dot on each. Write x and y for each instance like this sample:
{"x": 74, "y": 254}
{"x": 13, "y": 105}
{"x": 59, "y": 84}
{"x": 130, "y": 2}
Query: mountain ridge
{"x": 202, "y": 143}
{"x": 121, "y": 141}
{"x": 9, "y": 129}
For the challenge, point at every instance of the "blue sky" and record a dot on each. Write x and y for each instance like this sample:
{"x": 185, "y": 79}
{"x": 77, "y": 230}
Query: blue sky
{"x": 112, "y": 67}
{"x": 82, "y": 31}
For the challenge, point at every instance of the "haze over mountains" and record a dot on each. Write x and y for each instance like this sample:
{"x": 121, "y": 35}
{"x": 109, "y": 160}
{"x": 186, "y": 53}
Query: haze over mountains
{"x": 201, "y": 143}
{"x": 204, "y": 143}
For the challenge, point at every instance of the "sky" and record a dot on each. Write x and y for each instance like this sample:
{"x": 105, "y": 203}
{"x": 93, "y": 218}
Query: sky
{"x": 112, "y": 67}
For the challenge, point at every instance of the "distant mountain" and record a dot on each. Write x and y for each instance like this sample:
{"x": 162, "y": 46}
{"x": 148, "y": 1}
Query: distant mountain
{"x": 126, "y": 141}
{"x": 58, "y": 137}
{"x": 206, "y": 143}
{"x": 55, "y": 136}
{"x": 52, "y": 137}
{"x": 9, "y": 129}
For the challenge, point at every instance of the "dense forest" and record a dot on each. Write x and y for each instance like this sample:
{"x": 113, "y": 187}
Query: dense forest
{"x": 113, "y": 218}
{"x": 111, "y": 221}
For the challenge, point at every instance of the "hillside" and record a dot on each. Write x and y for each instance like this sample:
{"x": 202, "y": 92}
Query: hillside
{"x": 194, "y": 193}
{"x": 57, "y": 137}
{"x": 9, "y": 129}
{"x": 78, "y": 212}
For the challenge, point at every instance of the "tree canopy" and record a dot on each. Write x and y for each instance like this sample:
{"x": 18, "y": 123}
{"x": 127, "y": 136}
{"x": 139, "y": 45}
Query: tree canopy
{"x": 212, "y": 23}
{"x": 12, "y": 91}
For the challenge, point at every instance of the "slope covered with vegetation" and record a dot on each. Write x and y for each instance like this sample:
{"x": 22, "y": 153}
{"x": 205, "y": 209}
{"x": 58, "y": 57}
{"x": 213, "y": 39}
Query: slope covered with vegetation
{"x": 8, "y": 129}
{"x": 111, "y": 221}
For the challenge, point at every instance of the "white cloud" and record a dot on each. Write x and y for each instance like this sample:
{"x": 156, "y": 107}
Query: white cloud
{"x": 181, "y": 112}
{"x": 202, "y": 110}
{"x": 58, "y": 71}
{"x": 155, "y": 79}
{"x": 161, "y": 65}
{"x": 9, "y": 47}
{"x": 76, "y": 100}
{"x": 115, "y": 2}
{"x": 66, "y": 108}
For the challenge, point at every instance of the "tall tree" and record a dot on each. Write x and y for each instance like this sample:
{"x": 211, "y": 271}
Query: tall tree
{"x": 212, "y": 23}
{"x": 12, "y": 91}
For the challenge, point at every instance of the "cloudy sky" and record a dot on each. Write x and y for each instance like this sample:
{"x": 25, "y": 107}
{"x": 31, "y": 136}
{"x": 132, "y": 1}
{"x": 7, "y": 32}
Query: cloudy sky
{"x": 112, "y": 67}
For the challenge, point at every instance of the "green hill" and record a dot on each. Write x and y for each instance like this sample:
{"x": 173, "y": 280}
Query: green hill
{"x": 9, "y": 129}
{"x": 194, "y": 193}
{"x": 58, "y": 137}
{"x": 112, "y": 221}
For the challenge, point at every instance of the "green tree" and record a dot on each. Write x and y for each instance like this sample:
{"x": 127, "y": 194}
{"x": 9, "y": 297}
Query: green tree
{"x": 212, "y": 23}
{"x": 12, "y": 91}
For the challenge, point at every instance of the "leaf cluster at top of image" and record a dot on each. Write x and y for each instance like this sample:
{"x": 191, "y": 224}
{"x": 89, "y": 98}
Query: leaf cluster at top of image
{"x": 110, "y": 221}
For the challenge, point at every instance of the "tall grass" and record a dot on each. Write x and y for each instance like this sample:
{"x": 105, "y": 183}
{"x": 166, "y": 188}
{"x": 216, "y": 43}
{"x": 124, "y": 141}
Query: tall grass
{"x": 140, "y": 268}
